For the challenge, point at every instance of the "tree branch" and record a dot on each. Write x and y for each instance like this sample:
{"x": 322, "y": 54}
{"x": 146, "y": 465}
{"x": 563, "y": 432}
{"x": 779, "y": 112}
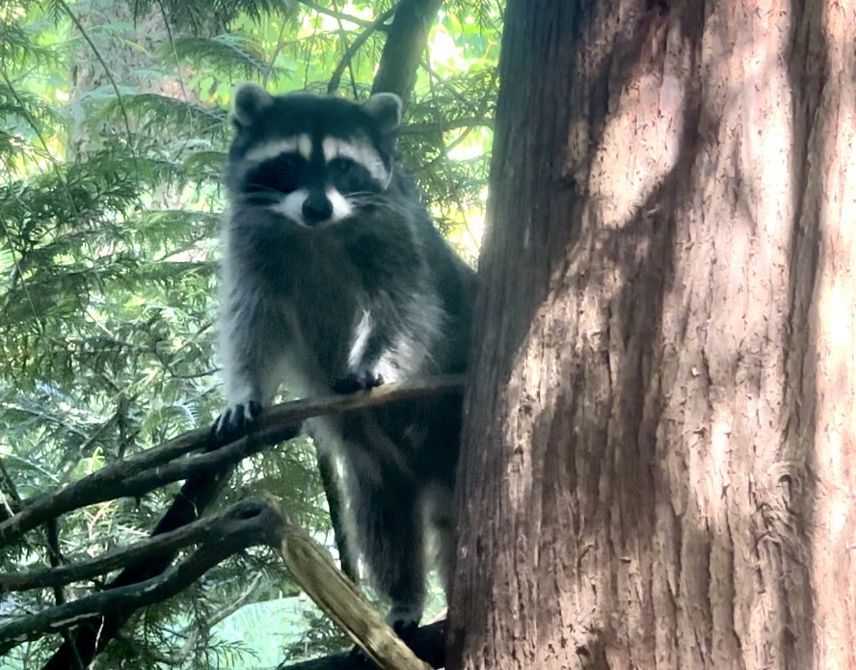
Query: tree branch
{"x": 255, "y": 523}
{"x": 355, "y": 46}
{"x": 139, "y": 474}
{"x": 10, "y": 501}
{"x": 406, "y": 40}
{"x": 204, "y": 530}
{"x": 198, "y": 492}
{"x": 356, "y": 20}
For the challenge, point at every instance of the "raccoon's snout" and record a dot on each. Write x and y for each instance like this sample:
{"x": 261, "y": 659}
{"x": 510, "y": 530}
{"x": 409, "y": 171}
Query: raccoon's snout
{"x": 317, "y": 208}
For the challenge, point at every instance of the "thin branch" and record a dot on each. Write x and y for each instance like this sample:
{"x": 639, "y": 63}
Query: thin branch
{"x": 262, "y": 525}
{"x": 54, "y": 556}
{"x": 337, "y": 15}
{"x": 107, "y": 72}
{"x": 192, "y": 633}
{"x": 205, "y": 530}
{"x": 10, "y": 501}
{"x": 467, "y": 122}
{"x": 355, "y": 46}
{"x": 177, "y": 60}
{"x": 155, "y": 467}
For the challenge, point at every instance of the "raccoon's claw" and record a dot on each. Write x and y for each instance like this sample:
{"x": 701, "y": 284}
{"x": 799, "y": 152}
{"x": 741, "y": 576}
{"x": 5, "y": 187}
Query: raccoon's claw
{"x": 235, "y": 421}
{"x": 359, "y": 380}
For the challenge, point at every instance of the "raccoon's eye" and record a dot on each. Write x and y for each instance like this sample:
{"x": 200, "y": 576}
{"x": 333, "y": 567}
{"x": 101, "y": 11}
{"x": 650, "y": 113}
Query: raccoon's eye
{"x": 342, "y": 166}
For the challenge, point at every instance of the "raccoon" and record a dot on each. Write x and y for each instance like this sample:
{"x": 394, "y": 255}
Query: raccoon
{"x": 334, "y": 277}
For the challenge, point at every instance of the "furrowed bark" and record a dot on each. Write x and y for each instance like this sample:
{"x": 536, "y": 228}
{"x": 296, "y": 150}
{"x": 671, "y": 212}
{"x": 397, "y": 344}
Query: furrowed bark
{"x": 659, "y": 457}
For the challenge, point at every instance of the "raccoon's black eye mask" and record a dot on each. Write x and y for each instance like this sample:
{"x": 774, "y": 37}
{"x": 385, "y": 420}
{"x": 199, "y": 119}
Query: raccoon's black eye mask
{"x": 281, "y": 174}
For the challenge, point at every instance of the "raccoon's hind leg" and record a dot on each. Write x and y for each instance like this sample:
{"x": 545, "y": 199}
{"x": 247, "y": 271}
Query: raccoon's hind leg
{"x": 439, "y": 510}
{"x": 388, "y": 531}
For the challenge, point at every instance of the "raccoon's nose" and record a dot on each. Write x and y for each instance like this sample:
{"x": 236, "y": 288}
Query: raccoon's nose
{"x": 317, "y": 208}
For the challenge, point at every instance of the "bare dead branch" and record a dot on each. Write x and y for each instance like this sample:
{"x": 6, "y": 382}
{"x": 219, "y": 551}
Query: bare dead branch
{"x": 139, "y": 474}
{"x": 256, "y": 523}
{"x": 204, "y": 530}
{"x": 342, "y": 601}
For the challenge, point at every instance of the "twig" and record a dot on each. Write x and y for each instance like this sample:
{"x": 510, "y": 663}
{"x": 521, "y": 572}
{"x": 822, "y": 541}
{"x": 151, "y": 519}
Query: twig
{"x": 355, "y": 46}
{"x": 336, "y": 15}
{"x": 10, "y": 501}
{"x": 192, "y": 633}
{"x": 453, "y": 124}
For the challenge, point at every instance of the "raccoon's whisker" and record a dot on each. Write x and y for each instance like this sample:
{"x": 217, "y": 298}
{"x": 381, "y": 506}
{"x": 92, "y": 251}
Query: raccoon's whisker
{"x": 381, "y": 204}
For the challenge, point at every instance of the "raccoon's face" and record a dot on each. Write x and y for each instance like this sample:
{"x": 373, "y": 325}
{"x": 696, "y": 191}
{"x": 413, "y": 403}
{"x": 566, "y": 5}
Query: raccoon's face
{"x": 313, "y": 159}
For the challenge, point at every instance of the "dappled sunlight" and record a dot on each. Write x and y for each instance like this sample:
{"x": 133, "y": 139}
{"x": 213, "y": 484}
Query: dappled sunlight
{"x": 833, "y": 533}
{"x": 639, "y": 147}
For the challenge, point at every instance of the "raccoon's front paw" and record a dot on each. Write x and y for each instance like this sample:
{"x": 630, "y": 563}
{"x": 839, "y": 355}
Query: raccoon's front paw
{"x": 359, "y": 380}
{"x": 236, "y": 421}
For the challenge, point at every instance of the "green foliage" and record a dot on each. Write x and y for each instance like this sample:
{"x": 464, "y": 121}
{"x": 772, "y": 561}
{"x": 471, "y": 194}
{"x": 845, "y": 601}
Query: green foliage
{"x": 109, "y": 206}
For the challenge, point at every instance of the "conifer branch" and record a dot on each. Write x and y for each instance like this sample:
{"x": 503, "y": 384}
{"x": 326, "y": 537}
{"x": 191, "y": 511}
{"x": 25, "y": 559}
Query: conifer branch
{"x": 107, "y": 72}
{"x": 350, "y": 18}
{"x": 355, "y": 46}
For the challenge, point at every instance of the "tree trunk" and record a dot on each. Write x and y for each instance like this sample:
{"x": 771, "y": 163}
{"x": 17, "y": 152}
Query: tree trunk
{"x": 660, "y": 459}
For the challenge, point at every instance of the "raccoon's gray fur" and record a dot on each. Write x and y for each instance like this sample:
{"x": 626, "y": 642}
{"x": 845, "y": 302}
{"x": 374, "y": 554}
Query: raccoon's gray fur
{"x": 334, "y": 277}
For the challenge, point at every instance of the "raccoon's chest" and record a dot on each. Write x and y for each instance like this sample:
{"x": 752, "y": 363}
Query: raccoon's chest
{"x": 321, "y": 307}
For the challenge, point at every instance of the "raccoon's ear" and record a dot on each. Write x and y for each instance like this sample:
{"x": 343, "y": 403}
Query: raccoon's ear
{"x": 385, "y": 109}
{"x": 250, "y": 99}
